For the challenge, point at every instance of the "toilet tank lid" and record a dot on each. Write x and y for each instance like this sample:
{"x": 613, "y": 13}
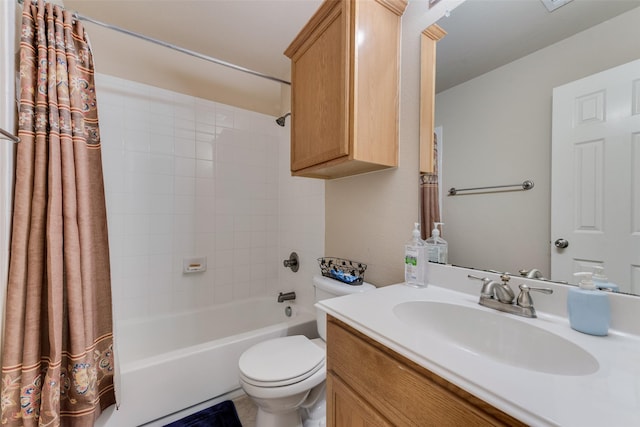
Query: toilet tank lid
{"x": 338, "y": 288}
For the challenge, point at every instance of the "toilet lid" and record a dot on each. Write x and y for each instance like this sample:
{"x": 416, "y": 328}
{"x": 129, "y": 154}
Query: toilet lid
{"x": 281, "y": 361}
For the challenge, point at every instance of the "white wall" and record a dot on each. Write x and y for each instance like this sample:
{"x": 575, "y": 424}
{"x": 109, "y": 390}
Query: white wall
{"x": 370, "y": 217}
{"x": 301, "y": 218}
{"x": 497, "y": 130}
{"x": 185, "y": 177}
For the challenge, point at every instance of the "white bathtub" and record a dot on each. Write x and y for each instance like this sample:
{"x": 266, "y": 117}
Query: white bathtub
{"x": 170, "y": 363}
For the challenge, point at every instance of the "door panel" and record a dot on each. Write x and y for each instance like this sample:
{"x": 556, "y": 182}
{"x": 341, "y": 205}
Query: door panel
{"x": 595, "y": 183}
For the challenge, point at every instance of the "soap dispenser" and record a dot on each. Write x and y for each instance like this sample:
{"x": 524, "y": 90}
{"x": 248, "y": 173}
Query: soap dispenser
{"x": 602, "y": 282}
{"x": 437, "y": 247}
{"x": 588, "y": 307}
{"x": 415, "y": 265}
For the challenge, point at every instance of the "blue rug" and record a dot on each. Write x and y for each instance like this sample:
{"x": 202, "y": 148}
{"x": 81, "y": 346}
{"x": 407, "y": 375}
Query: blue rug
{"x": 221, "y": 415}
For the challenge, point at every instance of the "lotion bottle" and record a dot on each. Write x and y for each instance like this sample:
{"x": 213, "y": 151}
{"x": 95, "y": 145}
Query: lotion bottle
{"x": 437, "y": 247}
{"x": 415, "y": 268}
{"x": 588, "y": 307}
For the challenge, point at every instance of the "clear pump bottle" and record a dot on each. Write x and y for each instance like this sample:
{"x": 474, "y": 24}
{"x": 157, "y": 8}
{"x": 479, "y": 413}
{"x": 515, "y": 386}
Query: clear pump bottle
{"x": 415, "y": 265}
{"x": 437, "y": 247}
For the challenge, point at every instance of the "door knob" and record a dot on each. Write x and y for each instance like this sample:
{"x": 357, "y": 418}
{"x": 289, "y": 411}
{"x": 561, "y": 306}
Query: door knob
{"x": 561, "y": 243}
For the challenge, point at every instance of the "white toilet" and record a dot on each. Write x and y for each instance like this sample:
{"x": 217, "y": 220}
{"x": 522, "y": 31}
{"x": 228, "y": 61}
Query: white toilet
{"x": 285, "y": 376}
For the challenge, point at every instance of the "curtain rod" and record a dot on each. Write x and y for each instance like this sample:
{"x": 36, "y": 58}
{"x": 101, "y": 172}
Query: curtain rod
{"x": 80, "y": 17}
{"x": 181, "y": 49}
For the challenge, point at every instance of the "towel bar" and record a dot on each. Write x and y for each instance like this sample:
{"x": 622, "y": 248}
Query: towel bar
{"x": 526, "y": 185}
{"x": 9, "y": 136}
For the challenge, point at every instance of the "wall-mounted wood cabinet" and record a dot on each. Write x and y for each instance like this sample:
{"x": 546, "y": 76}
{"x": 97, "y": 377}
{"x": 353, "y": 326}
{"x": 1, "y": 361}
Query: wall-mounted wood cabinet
{"x": 369, "y": 384}
{"x": 345, "y": 89}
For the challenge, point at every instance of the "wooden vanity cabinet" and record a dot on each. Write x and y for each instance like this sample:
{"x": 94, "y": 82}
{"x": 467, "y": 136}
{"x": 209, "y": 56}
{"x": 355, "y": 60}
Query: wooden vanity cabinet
{"x": 345, "y": 89}
{"x": 369, "y": 384}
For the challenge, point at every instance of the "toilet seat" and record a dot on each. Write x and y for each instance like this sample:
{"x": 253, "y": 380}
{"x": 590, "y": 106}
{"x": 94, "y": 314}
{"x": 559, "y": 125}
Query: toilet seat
{"x": 281, "y": 361}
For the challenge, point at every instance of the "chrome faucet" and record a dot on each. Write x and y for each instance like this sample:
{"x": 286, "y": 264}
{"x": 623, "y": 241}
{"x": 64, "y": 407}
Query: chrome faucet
{"x": 534, "y": 273}
{"x": 500, "y": 296}
{"x": 286, "y": 296}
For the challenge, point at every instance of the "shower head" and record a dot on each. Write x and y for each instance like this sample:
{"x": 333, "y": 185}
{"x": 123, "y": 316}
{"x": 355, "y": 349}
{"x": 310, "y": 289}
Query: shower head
{"x": 280, "y": 120}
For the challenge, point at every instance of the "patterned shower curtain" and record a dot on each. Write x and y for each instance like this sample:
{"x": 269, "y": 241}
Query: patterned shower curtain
{"x": 57, "y": 359}
{"x": 429, "y": 197}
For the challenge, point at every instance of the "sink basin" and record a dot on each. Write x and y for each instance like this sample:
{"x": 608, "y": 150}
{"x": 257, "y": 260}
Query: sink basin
{"x": 498, "y": 336}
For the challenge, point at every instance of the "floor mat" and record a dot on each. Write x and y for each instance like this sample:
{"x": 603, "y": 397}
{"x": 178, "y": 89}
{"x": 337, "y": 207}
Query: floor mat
{"x": 221, "y": 415}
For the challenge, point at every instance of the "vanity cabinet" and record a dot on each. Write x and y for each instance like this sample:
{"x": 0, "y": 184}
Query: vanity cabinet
{"x": 345, "y": 89}
{"x": 369, "y": 384}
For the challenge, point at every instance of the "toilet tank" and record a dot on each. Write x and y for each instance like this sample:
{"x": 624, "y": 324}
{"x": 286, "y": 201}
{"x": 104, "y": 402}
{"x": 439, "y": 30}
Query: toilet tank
{"x": 329, "y": 288}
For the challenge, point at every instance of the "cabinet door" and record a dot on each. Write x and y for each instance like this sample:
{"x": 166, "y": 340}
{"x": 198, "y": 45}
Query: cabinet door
{"x": 320, "y": 93}
{"x": 376, "y": 76}
{"x": 397, "y": 388}
{"x": 346, "y": 409}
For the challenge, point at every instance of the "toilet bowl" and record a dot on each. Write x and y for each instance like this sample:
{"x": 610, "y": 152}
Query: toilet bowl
{"x": 285, "y": 377}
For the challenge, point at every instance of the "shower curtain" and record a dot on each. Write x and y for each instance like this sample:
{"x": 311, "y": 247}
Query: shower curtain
{"x": 57, "y": 358}
{"x": 429, "y": 197}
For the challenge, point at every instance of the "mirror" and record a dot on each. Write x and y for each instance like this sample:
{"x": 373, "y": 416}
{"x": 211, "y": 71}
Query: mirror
{"x": 496, "y": 70}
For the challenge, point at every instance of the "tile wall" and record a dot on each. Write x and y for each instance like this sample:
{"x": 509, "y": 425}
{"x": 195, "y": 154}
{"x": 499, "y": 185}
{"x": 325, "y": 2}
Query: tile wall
{"x": 189, "y": 177}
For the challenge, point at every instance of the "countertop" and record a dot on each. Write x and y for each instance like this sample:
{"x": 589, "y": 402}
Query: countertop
{"x": 609, "y": 397}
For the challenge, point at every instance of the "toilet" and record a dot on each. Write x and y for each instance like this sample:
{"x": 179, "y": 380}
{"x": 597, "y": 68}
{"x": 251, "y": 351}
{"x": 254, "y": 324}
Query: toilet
{"x": 285, "y": 377}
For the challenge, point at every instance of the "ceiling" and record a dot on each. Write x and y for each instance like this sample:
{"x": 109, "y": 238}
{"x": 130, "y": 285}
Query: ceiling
{"x": 486, "y": 34}
{"x": 250, "y": 33}
{"x": 482, "y": 35}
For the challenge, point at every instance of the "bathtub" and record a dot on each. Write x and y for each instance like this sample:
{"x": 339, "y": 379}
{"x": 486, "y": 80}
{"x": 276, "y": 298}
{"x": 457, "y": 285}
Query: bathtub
{"x": 173, "y": 362}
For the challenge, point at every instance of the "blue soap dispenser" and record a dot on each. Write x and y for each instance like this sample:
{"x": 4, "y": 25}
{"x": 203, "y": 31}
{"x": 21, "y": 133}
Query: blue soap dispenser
{"x": 588, "y": 307}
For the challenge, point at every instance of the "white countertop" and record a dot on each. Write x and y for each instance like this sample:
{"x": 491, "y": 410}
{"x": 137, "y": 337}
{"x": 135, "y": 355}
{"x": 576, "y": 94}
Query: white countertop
{"x": 609, "y": 397}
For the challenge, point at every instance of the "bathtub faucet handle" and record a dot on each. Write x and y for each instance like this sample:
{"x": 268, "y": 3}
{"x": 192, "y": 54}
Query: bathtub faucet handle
{"x": 286, "y": 296}
{"x": 293, "y": 262}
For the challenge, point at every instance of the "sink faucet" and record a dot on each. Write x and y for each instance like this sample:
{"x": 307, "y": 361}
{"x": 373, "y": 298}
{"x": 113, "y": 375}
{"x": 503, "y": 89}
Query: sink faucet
{"x": 286, "y": 296}
{"x": 494, "y": 289}
{"x": 534, "y": 273}
{"x": 500, "y": 296}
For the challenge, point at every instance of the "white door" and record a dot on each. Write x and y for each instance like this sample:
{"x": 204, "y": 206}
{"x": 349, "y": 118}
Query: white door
{"x": 595, "y": 175}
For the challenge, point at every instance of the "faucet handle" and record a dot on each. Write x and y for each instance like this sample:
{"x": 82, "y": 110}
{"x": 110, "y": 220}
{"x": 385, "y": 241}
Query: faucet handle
{"x": 293, "y": 262}
{"x": 524, "y": 299}
{"x": 486, "y": 290}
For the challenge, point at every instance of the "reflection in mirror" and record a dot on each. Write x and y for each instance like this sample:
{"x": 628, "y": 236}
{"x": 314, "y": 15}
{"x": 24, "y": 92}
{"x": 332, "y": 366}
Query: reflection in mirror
{"x": 496, "y": 71}
{"x": 429, "y": 185}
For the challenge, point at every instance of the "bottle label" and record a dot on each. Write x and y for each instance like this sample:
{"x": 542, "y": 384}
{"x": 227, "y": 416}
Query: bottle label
{"x": 433, "y": 253}
{"x": 410, "y": 264}
{"x": 437, "y": 254}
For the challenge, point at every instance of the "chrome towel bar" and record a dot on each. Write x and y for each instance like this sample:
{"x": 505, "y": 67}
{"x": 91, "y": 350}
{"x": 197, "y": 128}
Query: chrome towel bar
{"x": 526, "y": 185}
{"x": 8, "y": 135}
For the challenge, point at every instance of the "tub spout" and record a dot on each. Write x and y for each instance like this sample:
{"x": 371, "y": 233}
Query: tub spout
{"x": 286, "y": 296}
